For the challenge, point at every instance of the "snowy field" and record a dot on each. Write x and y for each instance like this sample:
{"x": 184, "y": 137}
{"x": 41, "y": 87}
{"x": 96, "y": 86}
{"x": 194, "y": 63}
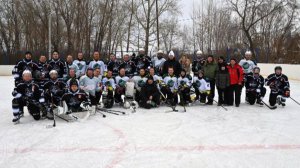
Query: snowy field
{"x": 204, "y": 136}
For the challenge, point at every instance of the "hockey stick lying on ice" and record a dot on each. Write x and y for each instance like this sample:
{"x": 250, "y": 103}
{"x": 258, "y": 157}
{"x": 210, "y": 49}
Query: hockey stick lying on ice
{"x": 221, "y": 106}
{"x": 295, "y": 101}
{"x": 272, "y": 108}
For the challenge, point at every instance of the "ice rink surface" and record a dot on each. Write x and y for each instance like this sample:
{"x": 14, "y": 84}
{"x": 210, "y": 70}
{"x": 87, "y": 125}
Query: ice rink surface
{"x": 204, "y": 136}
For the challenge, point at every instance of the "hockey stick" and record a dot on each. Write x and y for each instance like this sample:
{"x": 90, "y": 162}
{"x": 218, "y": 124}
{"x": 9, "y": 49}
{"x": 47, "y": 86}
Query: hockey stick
{"x": 54, "y": 120}
{"x": 272, "y": 108}
{"x": 221, "y": 105}
{"x": 295, "y": 101}
{"x": 109, "y": 110}
{"x": 173, "y": 107}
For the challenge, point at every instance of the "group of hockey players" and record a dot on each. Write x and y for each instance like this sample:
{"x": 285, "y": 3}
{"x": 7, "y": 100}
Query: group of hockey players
{"x": 44, "y": 85}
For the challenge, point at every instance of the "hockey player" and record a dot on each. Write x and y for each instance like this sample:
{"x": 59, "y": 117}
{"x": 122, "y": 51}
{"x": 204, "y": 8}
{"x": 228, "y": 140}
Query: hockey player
{"x": 150, "y": 97}
{"x": 139, "y": 82}
{"x": 57, "y": 65}
{"x": 25, "y": 64}
{"x": 169, "y": 87}
{"x": 54, "y": 89}
{"x": 247, "y": 64}
{"x": 184, "y": 85}
{"x": 108, "y": 86}
{"x": 90, "y": 84}
{"x": 202, "y": 87}
{"x": 113, "y": 65}
{"x": 42, "y": 75}
{"x": 71, "y": 65}
{"x": 236, "y": 82}
{"x": 198, "y": 63}
{"x": 121, "y": 81}
{"x": 71, "y": 76}
{"x": 142, "y": 61}
{"x": 280, "y": 87}
{"x": 81, "y": 63}
{"x": 97, "y": 63}
{"x": 156, "y": 78}
{"x": 158, "y": 62}
{"x": 222, "y": 83}
{"x": 129, "y": 66}
{"x": 75, "y": 97}
{"x": 255, "y": 89}
{"x": 172, "y": 62}
{"x": 27, "y": 93}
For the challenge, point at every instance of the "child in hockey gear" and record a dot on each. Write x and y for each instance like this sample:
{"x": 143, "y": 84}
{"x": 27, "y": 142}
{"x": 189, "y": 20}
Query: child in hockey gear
{"x": 210, "y": 69}
{"x": 139, "y": 82}
{"x": 97, "y": 63}
{"x": 202, "y": 87}
{"x": 280, "y": 87}
{"x": 81, "y": 63}
{"x": 57, "y": 65}
{"x": 142, "y": 61}
{"x": 113, "y": 65}
{"x": 22, "y": 65}
{"x": 236, "y": 82}
{"x": 158, "y": 62}
{"x": 108, "y": 87}
{"x": 55, "y": 87}
{"x": 169, "y": 87}
{"x": 27, "y": 93}
{"x": 75, "y": 97}
{"x": 129, "y": 66}
{"x": 150, "y": 96}
{"x": 198, "y": 63}
{"x": 172, "y": 62}
{"x": 90, "y": 85}
{"x": 184, "y": 85}
{"x": 222, "y": 83}
{"x": 121, "y": 81}
{"x": 255, "y": 89}
{"x": 247, "y": 64}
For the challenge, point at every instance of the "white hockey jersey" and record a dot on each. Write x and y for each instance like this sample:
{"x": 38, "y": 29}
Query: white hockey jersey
{"x": 90, "y": 85}
{"x": 171, "y": 82}
{"x": 81, "y": 66}
{"x": 107, "y": 82}
{"x": 201, "y": 84}
{"x": 139, "y": 82}
{"x": 247, "y": 65}
{"x": 184, "y": 81}
{"x": 121, "y": 81}
{"x": 98, "y": 64}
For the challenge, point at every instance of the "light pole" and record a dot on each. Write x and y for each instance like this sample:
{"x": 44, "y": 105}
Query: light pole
{"x": 157, "y": 34}
{"x": 49, "y": 32}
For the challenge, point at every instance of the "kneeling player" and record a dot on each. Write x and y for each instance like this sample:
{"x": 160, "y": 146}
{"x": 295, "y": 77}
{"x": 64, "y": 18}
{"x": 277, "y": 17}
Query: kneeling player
{"x": 27, "y": 93}
{"x": 150, "y": 97}
{"x": 255, "y": 89}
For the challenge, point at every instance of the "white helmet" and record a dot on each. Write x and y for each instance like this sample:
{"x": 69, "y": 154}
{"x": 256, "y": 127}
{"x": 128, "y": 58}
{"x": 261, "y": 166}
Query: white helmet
{"x": 26, "y": 72}
{"x": 199, "y": 52}
{"x": 248, "y": 53}
{"x": 126, "y": 105}
{"x": 53, "y": 72}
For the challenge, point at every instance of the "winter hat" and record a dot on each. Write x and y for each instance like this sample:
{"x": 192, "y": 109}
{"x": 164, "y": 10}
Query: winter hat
{"x": 221, "y": 58}
{"x": 171, "y": 53}
{"x": 73, "y": 82}
{"x": 150, "y": 78}
{"x": 278, "y": 68}
{"x": 160, "y": 52}
{"x": 248, "y": 53}
{"x": 199, "y": 52}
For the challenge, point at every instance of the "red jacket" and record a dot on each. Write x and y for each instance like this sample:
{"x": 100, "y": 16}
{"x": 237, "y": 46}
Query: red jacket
{"x": 236, "y": 74}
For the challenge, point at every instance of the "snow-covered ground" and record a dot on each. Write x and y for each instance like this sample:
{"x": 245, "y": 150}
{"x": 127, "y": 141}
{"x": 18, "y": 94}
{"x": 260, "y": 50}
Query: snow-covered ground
{"x": 248, "y": 136}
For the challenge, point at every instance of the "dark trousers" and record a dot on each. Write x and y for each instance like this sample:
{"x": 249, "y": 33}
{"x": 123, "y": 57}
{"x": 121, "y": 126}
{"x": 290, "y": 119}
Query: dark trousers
{"x": 211, "y": 96}
{"x": 234, "y": 94}
{"x": 254, "y": 96}
{"x": 222, "y": 96}
{"x": 171, "y": 97}
{"x": 33, "y": 109}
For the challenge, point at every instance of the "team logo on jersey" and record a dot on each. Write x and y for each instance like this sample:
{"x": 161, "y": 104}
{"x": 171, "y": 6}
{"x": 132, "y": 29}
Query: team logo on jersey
{"x": 128, "y": 68}
{"x": 96, "y": 66}
{"x": 171, "y": 83}
{"x": 198, "y": 83}
{"x": 141, "y": 83}
{"x": 80, "y": 66}
{"x": 246, "y": 65}
{"x": 122, "y": 83}
{"x": 140, "y": 64}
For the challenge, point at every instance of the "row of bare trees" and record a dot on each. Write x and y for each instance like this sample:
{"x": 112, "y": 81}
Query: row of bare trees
{"x": 268, "y": 26}
{"x": 103, "y": 25}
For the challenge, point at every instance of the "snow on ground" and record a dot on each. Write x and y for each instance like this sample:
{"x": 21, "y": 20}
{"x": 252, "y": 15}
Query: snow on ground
{"x": 249, "y": 136}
